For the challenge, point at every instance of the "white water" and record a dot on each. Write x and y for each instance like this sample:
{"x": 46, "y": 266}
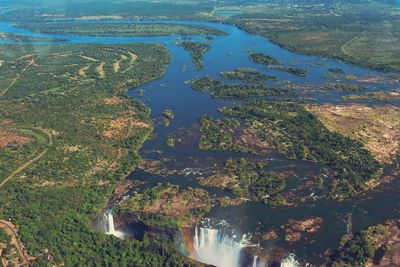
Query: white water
{"x": 255, "y": 261}
{"x": 290, "y": 261}
{"x": 216, "y": 248}
{"x": 109, "y": 226}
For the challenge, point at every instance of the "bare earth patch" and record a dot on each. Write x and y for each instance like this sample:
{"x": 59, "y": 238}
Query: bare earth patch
{"x": 391, "y": 242}
{"x": 7, "y": 138}
{"x": 219, "y": 180}
{"x": 172, "y": 202}
{"x": 298, "y": 229}
{"x": 99, "y": 17}
{"x": 123, "y": 127}
{"x": 115, "y": 100}
{"x": 82, "y": 71}
{"x": 314, "y": 37}
{"x": 117, "y": 64}
{"x": 377, "y": 127}
{"x": 249, "y": 140}
{"x": 100, "y": 70}
{"x": 89, "y": 58}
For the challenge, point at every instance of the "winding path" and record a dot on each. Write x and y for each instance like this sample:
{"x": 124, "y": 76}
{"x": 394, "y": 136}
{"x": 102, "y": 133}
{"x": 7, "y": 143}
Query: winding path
{"x": 12, "y": 231}
{"x": 8, "y": 226}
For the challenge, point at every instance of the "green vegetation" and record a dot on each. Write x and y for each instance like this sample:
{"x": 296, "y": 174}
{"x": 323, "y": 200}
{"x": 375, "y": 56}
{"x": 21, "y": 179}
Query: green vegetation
{"x": 336, "y": 70}
{"x": 6, "y": 246}
{"x": 46, "y": 87}
{"x": 168, "y": 116}
{"x": 360, "y": 248}
{"x": 219, "y": 89}
{"x": 298, "y": 134}
{"x": 19, "y": 146}
{"x": 274, "y": 64}
{"x": 118, "y": 29}
{"x": 217, "y": 134}
{"x": 249, "y": 179}
{"x": 170, "y": 141}
{"x": 291, "y": 70}
{"x": 247, "y": 75}
{"x": 197, "y": 51}
{"x": 345, "y": 87}
{"x": 358, "y": 32}
{"x": 376, "y": 95}
{"x": 263, "y": 59}
{"x": 182, "y": 207}
{"x": 34, "y": 10}
{"x": 5, "y": 36}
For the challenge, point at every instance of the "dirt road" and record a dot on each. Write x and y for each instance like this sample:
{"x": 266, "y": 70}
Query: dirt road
{"x": 27, "y": 164}
{"x": 12, "y": 232}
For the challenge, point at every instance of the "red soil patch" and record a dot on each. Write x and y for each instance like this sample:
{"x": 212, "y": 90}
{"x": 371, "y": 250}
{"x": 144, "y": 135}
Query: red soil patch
{"x": 315, "y": 38}
{"x": 7, "y": 138}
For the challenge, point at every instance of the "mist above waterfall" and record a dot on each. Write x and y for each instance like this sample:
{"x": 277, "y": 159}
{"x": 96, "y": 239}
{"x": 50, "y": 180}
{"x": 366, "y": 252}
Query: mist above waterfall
{"x": 290, "y": 261}
{"x": 213, "y": 247}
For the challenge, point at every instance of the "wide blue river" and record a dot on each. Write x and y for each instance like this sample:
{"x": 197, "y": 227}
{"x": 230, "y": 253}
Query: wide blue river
{"x": 229, "y": 52}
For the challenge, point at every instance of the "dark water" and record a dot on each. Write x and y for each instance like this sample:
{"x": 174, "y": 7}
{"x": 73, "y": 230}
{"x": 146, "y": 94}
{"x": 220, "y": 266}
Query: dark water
{"x": 227, "y": 53}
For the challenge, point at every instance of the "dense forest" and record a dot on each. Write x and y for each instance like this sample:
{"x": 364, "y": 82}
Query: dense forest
{"x": 76, "y": 149}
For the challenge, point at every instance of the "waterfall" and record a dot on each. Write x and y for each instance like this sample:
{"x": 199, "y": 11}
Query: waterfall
{"x": 211, "y": 246}
{"x": 290, "y": 261}
{"x": 109, "y": 226}
{"x": 255, "y": 261}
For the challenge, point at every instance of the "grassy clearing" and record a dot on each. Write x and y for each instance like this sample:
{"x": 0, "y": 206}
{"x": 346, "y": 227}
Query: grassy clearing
{"x": 378, "y": 128}
{"x": 100, "y": 70}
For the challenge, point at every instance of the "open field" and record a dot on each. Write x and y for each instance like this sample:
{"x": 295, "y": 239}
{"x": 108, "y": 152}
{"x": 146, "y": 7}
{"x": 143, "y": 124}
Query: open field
{"x": 378, "y": 128}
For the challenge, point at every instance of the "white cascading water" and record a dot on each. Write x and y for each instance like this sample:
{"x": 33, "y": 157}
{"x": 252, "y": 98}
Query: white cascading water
{"x": 109, "y": 226}
{"x": 216, "y": 248}
{"x": 290, "y": 261}
{"x": 255, "y": 261}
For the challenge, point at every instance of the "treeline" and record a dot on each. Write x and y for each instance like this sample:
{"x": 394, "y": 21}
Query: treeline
{"x": 121, "y": 29}
{"x": 298, "y": 134}
{"x": 362, "y": 247}
{"x": 220, "y": 89}
{"x": 249, "y": 179}
{"x": 197, "y": 51}
{"x": 247, "y": 75}
{"x": 217, "y": 134}
{"x": 274, "y": 64}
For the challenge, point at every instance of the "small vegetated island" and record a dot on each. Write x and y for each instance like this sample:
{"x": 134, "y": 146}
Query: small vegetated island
{"x": 119, "y": 29}
{"x": 247, "y": 75}
{"x": 197, "y": 51}
{"x": 220, "y": 89}
{"x": 274, "y": 64}
{"x": 5, "y": 36}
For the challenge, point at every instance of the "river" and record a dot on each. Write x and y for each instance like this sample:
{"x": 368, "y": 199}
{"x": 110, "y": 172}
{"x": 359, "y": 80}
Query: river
{"x": 229, "y": 52}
